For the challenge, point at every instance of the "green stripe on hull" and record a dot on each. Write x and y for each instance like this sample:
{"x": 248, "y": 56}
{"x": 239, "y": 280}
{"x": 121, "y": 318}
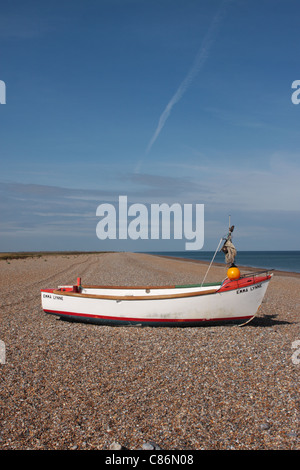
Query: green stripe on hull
{"x": 207, "y": 284}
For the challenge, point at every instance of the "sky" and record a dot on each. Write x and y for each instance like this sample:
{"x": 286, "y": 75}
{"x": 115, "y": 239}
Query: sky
{"x": 162, "y": 101}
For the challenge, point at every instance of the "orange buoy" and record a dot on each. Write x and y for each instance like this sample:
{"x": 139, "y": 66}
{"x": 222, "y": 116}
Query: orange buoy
{"x": 233, "y": 273}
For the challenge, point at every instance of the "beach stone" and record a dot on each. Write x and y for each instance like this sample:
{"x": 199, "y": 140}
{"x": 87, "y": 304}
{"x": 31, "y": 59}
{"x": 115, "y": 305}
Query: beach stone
{"x": 265, "y": 426}
{"x": 150, "y": 446}
{"x": 116, "y": 446}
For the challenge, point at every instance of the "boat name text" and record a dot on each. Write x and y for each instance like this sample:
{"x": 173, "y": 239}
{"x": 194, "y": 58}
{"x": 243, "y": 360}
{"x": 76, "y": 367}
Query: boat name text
{"x": 256, "y": 286}
{"x": 241, "y": 291}
{"x": 245, "y": 289}
{"x": 54, "y": 297}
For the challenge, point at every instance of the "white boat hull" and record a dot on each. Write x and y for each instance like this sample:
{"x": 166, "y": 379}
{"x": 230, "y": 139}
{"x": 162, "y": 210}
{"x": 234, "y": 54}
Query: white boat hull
{"x": 169, "y": 306}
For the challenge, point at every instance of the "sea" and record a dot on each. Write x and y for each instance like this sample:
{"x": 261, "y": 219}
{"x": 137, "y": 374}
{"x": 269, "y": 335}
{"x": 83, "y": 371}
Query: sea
{"x": 278, "y": 260}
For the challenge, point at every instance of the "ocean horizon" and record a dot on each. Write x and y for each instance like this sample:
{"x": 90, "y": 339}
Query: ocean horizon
{"x": 278, "y": 260}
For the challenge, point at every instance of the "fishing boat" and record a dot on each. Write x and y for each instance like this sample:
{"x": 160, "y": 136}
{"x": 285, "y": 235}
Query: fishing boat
{"x": 236, "y": 299}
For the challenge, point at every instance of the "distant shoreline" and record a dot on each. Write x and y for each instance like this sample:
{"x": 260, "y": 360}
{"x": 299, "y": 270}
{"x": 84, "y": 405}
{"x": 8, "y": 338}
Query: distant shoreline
{"x": 223, "y": 265}
{"x": 38, "y": 254}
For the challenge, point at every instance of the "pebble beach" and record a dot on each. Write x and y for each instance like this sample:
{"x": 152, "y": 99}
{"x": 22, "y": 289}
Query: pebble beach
{"x": 76, "y": 386}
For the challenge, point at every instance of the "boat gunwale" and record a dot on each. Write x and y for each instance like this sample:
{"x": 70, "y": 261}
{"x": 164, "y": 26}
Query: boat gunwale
{"x": 156, "y": 297}
{"x": 135, "y": 297}
{"x": 178, "y": 286}
{"x": 220, "y": 289}
{"x": 172, "y": 286}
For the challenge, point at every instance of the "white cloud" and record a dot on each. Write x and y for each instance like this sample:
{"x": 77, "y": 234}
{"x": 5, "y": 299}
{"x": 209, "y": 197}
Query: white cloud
{"x": 199, "y": 61}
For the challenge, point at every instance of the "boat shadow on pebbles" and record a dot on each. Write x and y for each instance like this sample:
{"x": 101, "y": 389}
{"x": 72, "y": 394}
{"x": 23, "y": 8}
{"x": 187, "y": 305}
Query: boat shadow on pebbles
{"x": 268, "y": 320}
{"x": 256, "y": 322}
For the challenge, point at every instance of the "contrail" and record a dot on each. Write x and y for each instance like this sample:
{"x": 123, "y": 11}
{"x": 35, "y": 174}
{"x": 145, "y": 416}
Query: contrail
{"x": 193, "y": 72}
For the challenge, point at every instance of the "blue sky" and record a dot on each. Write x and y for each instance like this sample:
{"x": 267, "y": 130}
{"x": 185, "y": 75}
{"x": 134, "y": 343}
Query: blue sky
{"x": 185, "y": 101}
